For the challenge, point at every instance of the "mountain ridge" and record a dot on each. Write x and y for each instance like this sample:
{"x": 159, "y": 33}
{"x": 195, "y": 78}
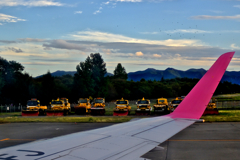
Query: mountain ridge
{"x": 169, "y": 73}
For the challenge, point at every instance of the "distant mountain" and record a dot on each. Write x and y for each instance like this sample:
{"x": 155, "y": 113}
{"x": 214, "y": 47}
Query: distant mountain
{"x": 169, "y": 73}
{"x": 61, "y": 73}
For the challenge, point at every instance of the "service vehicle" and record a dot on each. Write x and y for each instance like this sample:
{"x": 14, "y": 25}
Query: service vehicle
{"x": 83, "y": 106}
{"x": 161, "y": 106}
{"x": 122, "y": 108}
{"x": 98, "y": 106}
{"x": 143, "y": 107}
{"x": 174, "y": 103}
{"x": 59, "y": 107}
{"x": 34, "y": 108}
{"x": 211, "y": 108}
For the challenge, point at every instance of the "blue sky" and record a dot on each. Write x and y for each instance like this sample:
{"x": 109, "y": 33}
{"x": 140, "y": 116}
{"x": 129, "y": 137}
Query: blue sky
{"x": 58, "y": 34}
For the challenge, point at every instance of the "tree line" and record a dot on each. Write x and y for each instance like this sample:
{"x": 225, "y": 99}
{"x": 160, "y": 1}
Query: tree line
{"x": 17, "y": 86}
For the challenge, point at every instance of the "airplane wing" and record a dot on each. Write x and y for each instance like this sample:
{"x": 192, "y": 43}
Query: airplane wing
{"x": 127, "y": 140}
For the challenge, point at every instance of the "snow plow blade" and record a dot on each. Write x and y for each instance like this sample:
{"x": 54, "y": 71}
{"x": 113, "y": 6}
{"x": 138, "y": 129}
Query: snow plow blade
{"x": 30, "y": 113}
{"x": 142, "y": 113}
{"x": 97, "y": 111}
{"x": 210, "y": 112}
{"x": 80, "y": 110}
{"x": 120, "y": 113}
{"x": 55, "y": 113}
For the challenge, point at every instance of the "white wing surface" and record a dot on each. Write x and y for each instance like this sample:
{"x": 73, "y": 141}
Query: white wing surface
{"x": 126, "y": 141}
{"x": 122, "y": 141}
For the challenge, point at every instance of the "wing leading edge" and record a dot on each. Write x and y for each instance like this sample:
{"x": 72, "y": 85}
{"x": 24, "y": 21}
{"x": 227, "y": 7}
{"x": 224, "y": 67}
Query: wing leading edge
{"x": 127, "y": 140}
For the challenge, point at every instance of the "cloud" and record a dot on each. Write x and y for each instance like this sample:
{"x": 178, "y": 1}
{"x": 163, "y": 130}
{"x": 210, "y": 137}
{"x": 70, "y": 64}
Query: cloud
{"x": 30, "y": 3}
{"x": 157, "y": 55}
{"x": 39, "y": 63}
{"x": 139, "y": 54}
{"x": 187, "y": 31}
{"x": 55, "y": 60}
{"x": 62, "y": 44}
{"x": 15, "y": 50}
{"x": 234, "y": 46}
{"x": 109, "y": 37}
{"x": 216, "y": 11}
{"x": 8, "y": 19}
{"x": 238, "y": 6}
{"x": 98, "y": 11}
{"x": 32, "y": 40}
{"x": 78, "y": 12}
{"x": 149, "y": 32}
{"x": 6, "y": 41}
{"x": 215, "y": 17}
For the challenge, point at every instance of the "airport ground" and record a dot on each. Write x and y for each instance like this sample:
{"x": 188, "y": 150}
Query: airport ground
{"x": 215, "y": 141}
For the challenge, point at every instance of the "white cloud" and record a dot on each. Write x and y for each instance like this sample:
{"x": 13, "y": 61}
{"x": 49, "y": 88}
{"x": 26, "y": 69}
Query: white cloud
{"x": 139, "y": 54}
{"x": 106, "y": 3}
{"x": 238, "y": 6}
{"x": 187, "y": 31}
{"x": 8, "y": 19}
{"x": 98, "y": 11}
{"x": 32, "y": 40}
{"x": 149, "y": 32}
{"x": 30, "y": 3}
{"x": 234, "y": 46}
{"x": 215, "y": 17}
{"x": 78, "y": 12}
{"x": 109, "y": 37}
{"x": 216, "y": 11}
{"x": 157, "y": 55}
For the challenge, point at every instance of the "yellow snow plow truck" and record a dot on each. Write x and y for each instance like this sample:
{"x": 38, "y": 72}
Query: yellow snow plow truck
{"x": 83, "y": 106}
{"x": 34, "y": 108}
{"x": 211, "y": 108}
{"x": 98, "y": 106}
{"x": 59, "y": 107}
{"x": 174, "y": 103}
{"x": 143, "y": 107}
{"x": 161, "y": 106}
{"x": 122, "y": 108}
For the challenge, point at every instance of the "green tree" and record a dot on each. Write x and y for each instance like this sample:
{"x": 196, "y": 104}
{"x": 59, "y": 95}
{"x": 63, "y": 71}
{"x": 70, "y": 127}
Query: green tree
{"x": 89, "y": 79}
{"x": 83, "y": 82}
{"x": 120, "y": 72}
{"x": 98, "y": 72}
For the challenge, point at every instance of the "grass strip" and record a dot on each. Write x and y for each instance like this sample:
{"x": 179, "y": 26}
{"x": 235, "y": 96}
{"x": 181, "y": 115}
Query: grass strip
{"x": 224, "y": 116}
{"x": 67, "y": 119}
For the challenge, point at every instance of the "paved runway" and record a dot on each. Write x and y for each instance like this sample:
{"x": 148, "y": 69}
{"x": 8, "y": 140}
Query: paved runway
{"x": 211, "y": 141}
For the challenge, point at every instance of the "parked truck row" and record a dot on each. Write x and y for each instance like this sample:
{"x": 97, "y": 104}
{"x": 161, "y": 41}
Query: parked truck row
{"x": 61, "y": 106}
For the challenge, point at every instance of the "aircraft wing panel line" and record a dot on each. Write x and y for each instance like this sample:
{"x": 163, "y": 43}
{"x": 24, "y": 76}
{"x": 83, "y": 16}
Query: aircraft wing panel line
{"x": 72, "y": 148}
{"x": 153, "y": 127}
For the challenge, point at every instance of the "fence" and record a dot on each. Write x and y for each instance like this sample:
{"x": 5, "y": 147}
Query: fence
{"x": 10, "y": 108}
{"x": 228, "y": 105}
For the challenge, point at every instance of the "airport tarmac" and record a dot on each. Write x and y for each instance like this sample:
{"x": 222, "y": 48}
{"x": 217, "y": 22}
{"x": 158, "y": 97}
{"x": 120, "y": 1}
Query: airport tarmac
{"x": 210, "y": 141}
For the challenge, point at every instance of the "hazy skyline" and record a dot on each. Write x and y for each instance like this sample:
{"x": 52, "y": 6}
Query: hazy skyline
{"x": 58, "y": 34}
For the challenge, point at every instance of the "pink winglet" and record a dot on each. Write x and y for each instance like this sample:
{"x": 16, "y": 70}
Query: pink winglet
{"x": 198, "y": 98}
